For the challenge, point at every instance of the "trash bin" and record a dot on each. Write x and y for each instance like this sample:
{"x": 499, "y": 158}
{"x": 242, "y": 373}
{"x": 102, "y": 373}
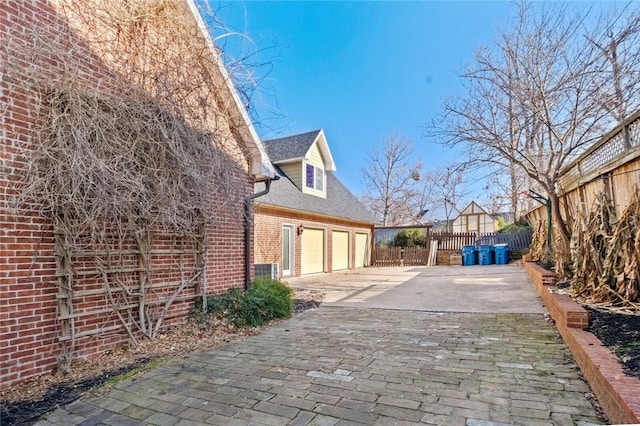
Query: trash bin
{"x": 485, "y": 255}
{"x": 502, "y": 254}
{"x": 468, "y": 255}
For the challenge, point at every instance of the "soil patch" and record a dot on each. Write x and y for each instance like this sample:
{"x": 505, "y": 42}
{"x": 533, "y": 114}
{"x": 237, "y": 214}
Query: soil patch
{"x": 621, "y": 334}
{"x": 26, "y": 402}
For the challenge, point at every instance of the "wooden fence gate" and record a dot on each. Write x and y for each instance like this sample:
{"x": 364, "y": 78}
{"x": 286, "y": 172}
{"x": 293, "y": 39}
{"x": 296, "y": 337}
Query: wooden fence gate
{"x": 400, "y": 256}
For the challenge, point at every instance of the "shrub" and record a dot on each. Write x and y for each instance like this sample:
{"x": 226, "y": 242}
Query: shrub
{"x": 410, "y": 238}
{"x": 266, "y": 300}
{"x": 514, "y": 227}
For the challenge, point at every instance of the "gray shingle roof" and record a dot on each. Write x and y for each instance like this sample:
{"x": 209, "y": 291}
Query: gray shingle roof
{"x": 290, "y": 147}
{"x": 340, "y": 202}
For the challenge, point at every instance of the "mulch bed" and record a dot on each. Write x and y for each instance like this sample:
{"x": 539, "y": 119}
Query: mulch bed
{"x": 28, "y": 412}
{"x": 621, "y": 334}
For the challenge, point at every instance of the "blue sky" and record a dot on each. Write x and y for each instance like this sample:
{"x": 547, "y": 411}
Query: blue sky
{"x": 362, "y": 71}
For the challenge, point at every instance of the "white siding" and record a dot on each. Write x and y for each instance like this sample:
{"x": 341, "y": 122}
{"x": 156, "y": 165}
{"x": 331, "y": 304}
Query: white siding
{"x": 315, "y": 157}
{"x": 294, "y": 172}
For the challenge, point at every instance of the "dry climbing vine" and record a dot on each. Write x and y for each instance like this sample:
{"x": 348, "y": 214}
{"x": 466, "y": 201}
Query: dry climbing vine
{"x": 133, "y": 155}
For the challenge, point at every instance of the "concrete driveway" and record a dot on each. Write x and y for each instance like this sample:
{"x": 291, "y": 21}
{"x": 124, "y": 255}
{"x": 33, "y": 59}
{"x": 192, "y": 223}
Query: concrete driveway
{"x": 476, "y": 289}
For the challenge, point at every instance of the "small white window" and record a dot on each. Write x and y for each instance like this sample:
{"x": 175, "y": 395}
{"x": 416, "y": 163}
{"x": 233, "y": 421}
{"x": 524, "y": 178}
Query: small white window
{"x": 315, "y": 177}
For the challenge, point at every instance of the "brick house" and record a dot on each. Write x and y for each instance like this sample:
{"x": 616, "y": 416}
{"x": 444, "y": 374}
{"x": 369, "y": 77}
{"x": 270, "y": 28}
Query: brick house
{"x": 309, "y": 222}
{"x": 61, "y": 301}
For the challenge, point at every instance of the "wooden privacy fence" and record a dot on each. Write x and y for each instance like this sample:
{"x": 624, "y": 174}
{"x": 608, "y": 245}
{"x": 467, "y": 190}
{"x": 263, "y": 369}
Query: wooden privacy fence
{"x": 453, "y": 240}
{"x": 611, "y": 166}
{"x": 447, "y": 241}
{"x": 456, "y": 240}
{"x": 519, "y": 240}
{"x": 400, "y": 256}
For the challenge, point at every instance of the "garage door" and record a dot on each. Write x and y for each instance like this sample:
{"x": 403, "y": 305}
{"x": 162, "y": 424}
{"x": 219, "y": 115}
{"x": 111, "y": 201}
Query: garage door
{"x": 339, "y": 250}
{"x": 362, "y": 250}
{"x": 312, "y": 256}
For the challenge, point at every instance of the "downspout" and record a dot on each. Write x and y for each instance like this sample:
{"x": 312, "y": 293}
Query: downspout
{"x": 247, "y": 228}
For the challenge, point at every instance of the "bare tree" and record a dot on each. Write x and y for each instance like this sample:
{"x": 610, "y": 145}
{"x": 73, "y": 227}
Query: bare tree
{"x": 618, "y": 40}
{"x": 389, "y": 179}
{"x": 505, "y": 190}
{"x": 425, "y": 196}
{"x": 535, "y": 101}
{"x": 448, "y": 189}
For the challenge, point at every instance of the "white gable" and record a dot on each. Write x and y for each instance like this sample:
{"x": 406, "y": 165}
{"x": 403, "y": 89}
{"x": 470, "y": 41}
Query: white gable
{"x": 322, "y": 145}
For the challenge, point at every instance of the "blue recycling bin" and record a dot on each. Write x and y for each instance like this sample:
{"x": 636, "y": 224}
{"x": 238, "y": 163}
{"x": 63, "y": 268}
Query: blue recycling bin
{"x": 468, "y": 255}
{"x": 501, "y": 251}
{"x": 485, "y": 255}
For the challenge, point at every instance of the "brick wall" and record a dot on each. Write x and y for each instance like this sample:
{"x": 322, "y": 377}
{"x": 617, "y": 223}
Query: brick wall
{"x": 616, "y": 392}
{"x": 29, "y": 327}
{"x": 268, "y": 234}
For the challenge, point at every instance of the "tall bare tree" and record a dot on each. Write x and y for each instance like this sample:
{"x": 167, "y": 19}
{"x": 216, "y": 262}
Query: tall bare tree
{"x": 504, "y": 190}
{"x": 448, "y": 189}
{"x": 536, "y": 99}
{"x": 389, "y": 180}
{"x": 618, "y": 42}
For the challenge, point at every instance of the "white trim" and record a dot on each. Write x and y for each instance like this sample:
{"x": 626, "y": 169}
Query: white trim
{"x": 312, "y": 190}
{"x": 292, "y": 249}
{"x": 290, "y": 160}
{"x": 323, "y": 146}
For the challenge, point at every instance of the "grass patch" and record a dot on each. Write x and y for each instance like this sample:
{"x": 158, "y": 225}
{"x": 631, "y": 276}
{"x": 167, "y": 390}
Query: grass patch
{"x": 112, "y": 381}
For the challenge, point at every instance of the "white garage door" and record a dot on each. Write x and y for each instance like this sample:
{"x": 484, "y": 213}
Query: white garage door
{"x": 339, "y": 250}
{"x": 362, "y": 250}
{"x": 312, "y": 256}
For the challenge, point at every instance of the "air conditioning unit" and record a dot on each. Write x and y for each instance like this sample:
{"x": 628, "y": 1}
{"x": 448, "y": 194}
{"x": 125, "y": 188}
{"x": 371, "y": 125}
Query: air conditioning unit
{"x": 269, "y": 270}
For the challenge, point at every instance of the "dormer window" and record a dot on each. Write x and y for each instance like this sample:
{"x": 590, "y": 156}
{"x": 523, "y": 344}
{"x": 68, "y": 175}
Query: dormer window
{"x": 315, "y": 177}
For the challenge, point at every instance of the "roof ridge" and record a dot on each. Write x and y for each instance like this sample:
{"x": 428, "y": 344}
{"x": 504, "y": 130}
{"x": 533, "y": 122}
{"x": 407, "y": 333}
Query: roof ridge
{"x": 292, "y": 136}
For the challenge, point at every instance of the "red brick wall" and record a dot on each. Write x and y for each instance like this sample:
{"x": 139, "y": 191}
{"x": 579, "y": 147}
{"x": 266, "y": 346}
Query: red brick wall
{"x": 268, "y": 234}
{"x": 29, "y": 330}
{"x": 565, "y": 312}
{"x": 617, "y": 393}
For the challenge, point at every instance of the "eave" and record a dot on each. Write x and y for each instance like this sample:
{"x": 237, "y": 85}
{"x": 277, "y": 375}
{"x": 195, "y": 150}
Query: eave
{"x": 260, "y": 166}
{"x": 273, "y": 207}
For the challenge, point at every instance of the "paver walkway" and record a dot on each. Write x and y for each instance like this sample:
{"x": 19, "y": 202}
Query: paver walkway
{"x": 344, "y": 365}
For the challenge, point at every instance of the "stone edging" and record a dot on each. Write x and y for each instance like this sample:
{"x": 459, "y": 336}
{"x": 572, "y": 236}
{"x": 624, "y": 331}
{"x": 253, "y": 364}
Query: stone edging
{"x": 617, "y": 393}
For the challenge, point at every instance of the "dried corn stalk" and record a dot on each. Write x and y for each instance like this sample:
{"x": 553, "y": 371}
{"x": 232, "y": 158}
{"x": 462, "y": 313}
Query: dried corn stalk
{"x": 561, "y": 256}
{"x": 538, "y": 250}
{"x": 606, "y": 255}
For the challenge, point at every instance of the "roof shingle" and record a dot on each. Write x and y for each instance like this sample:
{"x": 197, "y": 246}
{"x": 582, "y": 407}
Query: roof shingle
{"x": 290, "y": 147}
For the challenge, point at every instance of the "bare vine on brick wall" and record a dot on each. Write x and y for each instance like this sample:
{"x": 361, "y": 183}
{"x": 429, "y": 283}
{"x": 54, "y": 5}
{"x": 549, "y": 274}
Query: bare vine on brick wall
{"x": 138, "y": 153}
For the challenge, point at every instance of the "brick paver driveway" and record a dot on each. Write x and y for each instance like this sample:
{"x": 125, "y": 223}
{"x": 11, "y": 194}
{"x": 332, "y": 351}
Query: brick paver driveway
{"x": 365, "y": 365}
